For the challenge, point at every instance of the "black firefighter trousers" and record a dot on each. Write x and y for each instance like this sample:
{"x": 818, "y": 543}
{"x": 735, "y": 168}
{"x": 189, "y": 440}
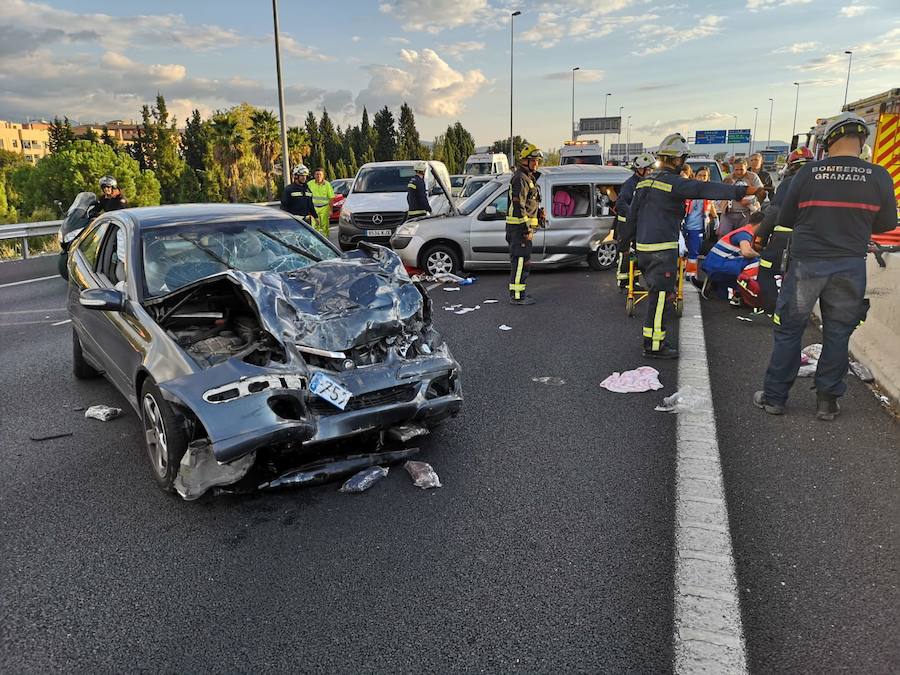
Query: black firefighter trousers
{"x": 660, "y": 275}
{"x": 519, "y": 258}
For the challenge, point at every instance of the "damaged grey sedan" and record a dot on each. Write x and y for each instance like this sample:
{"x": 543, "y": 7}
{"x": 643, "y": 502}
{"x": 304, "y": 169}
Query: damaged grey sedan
{"x": 237, "y": 332}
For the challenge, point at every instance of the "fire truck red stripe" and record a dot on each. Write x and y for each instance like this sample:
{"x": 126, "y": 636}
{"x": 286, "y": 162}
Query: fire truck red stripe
{"x": 839, "y": 205}
{"x": 887, "y": 153}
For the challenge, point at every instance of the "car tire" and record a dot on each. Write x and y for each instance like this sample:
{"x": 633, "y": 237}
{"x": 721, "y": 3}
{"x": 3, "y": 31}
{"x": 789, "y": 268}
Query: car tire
{"x": 62, "y": 265}
{"x": 80, "y": 367}
{"x": 441, "y": 259}
{"x": 164, "y": 436}
{"x": 604, "y": 257}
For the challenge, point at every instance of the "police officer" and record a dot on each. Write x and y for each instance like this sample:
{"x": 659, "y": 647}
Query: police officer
{"x": 833, "y": 207}
{"x": 655, "y": 215}
{"x": 523, "y": 216}
{"x": 641, "y": 166}
{"x": 297, "y": 198}
{"x": 111, "y": 197}
{"x": 416, "y": 192}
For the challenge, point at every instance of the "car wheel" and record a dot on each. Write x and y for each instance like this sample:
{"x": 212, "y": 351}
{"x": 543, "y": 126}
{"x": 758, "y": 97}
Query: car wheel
{"x": 81, "y": 368}
{"x": 164, "y": 436}
{"x": 441, "y": 259}
{"x": 62, "y": 265}
{"x": 604, "y": 257}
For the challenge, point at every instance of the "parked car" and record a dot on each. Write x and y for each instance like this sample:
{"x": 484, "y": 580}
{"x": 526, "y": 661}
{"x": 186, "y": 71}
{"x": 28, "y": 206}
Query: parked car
{"x": 457, "y": 181}
{"x": 579, "y": 202}
{"x": 341, "y": 187}
{"x": 236, "y": 330}
{"x": 473, "y": 185}
{"x": 377, "y": 202}
{"x": 486, "y": 163}
{"x": 715, "y": 169}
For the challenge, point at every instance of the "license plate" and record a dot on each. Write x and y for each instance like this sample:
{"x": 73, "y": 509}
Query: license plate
{"x": 378, "y": 233}
{"x": 326, "y": 388}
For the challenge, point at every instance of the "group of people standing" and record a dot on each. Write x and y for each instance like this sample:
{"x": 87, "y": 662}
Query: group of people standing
{"x": 311, "y": 201}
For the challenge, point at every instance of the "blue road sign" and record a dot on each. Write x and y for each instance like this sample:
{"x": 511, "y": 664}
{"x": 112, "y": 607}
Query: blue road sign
{"x": 738, "y": 136}
{"x": 709, "y": 137}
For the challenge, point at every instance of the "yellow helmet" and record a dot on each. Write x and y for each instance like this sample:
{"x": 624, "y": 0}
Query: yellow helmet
{"x": 530, "y": 151}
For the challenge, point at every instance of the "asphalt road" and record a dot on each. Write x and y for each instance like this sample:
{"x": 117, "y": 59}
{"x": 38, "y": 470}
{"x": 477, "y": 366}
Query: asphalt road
{"x": 549, "y": 548}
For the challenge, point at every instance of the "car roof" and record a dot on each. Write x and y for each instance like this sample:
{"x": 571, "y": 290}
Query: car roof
{"x": 183, "y": 214}
{"x": 591, "y": 171}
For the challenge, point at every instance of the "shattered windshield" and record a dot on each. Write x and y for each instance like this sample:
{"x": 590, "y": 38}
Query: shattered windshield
{"x": 177, "y": 256}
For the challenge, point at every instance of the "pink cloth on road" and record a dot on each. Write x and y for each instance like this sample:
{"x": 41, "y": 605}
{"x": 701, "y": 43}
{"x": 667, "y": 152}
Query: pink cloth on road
{"x": 644, "y": 378}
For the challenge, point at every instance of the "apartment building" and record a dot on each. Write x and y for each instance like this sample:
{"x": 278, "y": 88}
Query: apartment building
{"x": 30, "y": 139}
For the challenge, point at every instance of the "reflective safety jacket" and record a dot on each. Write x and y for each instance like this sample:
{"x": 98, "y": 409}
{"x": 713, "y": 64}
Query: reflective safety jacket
{"x": 726, "y": 248}
{"x": 417, "y": 197}
{"x": 657, "y": 209}
{"x": 524, "y": 199}
{"x": 298, "y": 200}
{"x": 321, "y": 196}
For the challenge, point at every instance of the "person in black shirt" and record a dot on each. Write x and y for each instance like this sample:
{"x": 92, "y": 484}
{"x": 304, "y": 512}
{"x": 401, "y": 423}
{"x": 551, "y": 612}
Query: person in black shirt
{"x": 833, "y": 206}
{"x": 111, "y": 197}
{"x": 417, "y": 193}
{"x": 297, "y": 198}
{"x": 756, "y": 166}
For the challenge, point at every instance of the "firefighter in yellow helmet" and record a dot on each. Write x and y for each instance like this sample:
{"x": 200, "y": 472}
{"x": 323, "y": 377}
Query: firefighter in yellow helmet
{"x": 523, "y": 216}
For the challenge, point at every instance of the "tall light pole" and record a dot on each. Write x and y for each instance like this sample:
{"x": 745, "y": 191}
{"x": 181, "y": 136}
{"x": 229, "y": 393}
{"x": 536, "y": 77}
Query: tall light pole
{"x": 285, "y": 155}
{"x": 796, "y": 104}
{"x": 573, "y": 100}
{"x": 605, "y": 104}
{"x": 512, "y": 161}
{"x": 753, "y": 137}
{"x": 627, "y": 138}
{"x": 771, "y": 108}
{"x": 734, "y": 128}
{"x": 847, "y": 86}
{"x": 619, "y": 142}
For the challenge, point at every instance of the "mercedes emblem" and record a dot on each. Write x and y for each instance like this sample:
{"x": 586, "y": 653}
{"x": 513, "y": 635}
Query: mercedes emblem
{"x": 377, "y": 219}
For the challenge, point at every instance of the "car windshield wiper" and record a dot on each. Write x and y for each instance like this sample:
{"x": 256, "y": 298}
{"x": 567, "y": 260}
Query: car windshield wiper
{"x": 208, "y": 251}
{"x": 294, "y": 248}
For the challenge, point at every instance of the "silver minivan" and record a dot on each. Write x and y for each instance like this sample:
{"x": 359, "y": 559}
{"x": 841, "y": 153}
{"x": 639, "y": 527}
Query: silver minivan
{"x": 579, "y": 201}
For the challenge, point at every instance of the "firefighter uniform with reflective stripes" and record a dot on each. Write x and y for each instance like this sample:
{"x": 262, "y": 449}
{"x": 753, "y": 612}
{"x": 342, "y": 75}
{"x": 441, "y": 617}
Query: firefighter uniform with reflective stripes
{"x": 624, "y": 235}
{"x": 655, "y": 216}
{"x": 417, "y": 197}
{"x": 297, "y": 199}
{"x": 521, "y": 222}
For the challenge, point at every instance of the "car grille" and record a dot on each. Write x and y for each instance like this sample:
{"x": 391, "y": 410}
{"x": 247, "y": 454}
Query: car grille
{"x": 390, "y": 220}
{"x": 400, "y": 394}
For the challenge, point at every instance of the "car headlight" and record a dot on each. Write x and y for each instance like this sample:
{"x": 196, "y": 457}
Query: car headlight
{"x": 407, "y": 230}
{"x": 346, "y": 217}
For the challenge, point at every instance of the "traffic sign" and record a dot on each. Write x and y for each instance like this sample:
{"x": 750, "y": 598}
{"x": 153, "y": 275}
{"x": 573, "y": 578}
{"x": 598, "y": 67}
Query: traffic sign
{"x": 710, "y": 137}
{"x": 600, "y": 125}
{"x": 738, "y": 136}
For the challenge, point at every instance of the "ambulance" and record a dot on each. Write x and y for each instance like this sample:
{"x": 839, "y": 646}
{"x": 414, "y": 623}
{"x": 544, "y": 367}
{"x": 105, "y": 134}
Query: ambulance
{"x": 581, "y": 152}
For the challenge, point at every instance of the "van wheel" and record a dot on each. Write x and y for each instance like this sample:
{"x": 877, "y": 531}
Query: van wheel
{"x": 164, "y": 437}
{"x": 441, "y": 259}
{"x": 81, "y": 368}
{"x": 604, "y": 257}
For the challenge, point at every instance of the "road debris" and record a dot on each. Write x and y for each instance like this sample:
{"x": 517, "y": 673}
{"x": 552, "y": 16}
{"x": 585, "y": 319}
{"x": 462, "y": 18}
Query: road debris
{"x": 640, "y": 379}
{"x": 423, "y": 476}
{"x": 451, "y": 288}
{"x": 745, "y": 318}
{"x": 686, "y": 400}
{"x": 452, "y": 308}
{"x": 553, "y": 381}
{"x": 503, "y": 326}
{"x": 466, "y": 310}
{"x": 199, "y": 471}
{"x": 491, "y": 301}
{"x": 362, "y": 481}
{"x": 406, "y": 432}
{"x": 327, "y": 470}
{"x": 50, "y": 437}
{"x": 104, "y": 413}
{"x": 861, "y": 371}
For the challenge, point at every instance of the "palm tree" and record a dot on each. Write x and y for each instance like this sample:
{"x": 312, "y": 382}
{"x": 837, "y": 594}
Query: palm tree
{"x": 228, "y": 142}
{"x": 264, "y": 133}
{"x": 298, "y": 145}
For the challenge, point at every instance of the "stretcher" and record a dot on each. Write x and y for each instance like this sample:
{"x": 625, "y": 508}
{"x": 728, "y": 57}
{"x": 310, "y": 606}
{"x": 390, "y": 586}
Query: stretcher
{"x": 636, "y": 294}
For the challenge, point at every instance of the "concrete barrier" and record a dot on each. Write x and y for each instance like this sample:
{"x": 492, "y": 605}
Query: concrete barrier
{"x": 877, "y": 342}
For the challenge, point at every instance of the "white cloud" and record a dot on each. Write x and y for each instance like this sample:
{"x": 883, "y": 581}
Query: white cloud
{"x": 460, "y": 49}
{"x": 435, "y": 16}
{"x": 684, "y": 124}
{"x": 668, "y": 37}
{"x": 880, "y": 53}
{"x": 582, "y": 75}
{"x": 295, "y": 48}
{"x": 355, "y": 38}
{"x": 425, "y": 81}
{"x": 756, "y": 5}
{"x": 578, "y": 21}
{"x": 157, "y": 73}
{"x": 398, "y": 40}
{"x": 797, "y": 48}
{"x": 855, "y": 9}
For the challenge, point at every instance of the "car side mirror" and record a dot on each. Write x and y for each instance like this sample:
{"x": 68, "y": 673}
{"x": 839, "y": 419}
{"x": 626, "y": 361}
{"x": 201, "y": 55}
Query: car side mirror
{"x": 106, "y": 299}
{"x": 491, "y": 211}
{"x": 435, "y": 191}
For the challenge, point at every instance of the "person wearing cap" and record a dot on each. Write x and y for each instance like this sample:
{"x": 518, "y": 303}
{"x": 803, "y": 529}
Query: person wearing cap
{"x": 655, "y": 215}
{"x": 297, "y": 198}
{"x": 833, "y": 206}
{"x": 523, "y": 216}
{"x": 111, "y": 197}
{"x": 641, "y": 167}
{"x": 323, "y": 198}
{"x": 417, "y": 193}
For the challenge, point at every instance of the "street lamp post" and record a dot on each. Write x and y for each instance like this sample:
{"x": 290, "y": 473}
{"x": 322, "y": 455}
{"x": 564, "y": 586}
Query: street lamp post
{"x": 285, "y": 155}
{"x": 605, "y": 104}
{"x": 771, "y": 108}
{"x": 734, "y": 128}
{"x": 619, "y": 142}
{"x": 753, "y": 137}
{"x": 573, "y": 100}
{"x": 847, "y": 86}
{"x": 512, "y": 16}
{"x": 627, "y": 138}
{"x": 796, "y": 103}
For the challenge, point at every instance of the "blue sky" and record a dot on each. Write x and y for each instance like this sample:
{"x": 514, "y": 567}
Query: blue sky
{"x": 674, "y": 66}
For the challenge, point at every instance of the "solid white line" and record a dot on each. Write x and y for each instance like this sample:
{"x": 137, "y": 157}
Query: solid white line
{"x": 29, "y": 281}
{"x": 60, "y": 323}
{"x": 708, "y": 634}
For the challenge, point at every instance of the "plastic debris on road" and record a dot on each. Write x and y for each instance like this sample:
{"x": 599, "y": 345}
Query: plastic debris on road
{"x": 466, "y": 310}
{"x": 423, "y": 476}
{"x": 503, "y": 326}
{"x": 813, "y": 351}
{"x": 745, "y": 318}
{"x": 861, "y": 371}
{"x": 199, "y": 471}
{"x": 104, "y": 413}
{"x": 447, "y": 278}
{"x": 809, "y": 360}
{"x": 362, "y": 481}
{"x": 686, "y": 400}
{"x": 451, "y": 288}
{"x": 452, "y": 308}
{"x": 640, "y": 379}
{"x": 406, "y": 432}
{"x": 553, "y": 381}
{"x": 491, "y": 301}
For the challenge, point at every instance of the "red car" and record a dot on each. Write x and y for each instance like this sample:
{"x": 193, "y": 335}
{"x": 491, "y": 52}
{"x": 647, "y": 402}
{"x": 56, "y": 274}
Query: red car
{"x": 341, "y": 190}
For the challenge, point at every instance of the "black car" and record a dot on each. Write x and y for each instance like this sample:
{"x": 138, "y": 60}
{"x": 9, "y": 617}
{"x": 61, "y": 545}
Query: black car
{"x": 233, "y": 329}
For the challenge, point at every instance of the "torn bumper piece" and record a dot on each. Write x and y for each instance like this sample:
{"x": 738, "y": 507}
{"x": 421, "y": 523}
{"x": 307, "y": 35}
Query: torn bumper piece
{"x": 328, "y": 470}
{"x": 199, "y": 471}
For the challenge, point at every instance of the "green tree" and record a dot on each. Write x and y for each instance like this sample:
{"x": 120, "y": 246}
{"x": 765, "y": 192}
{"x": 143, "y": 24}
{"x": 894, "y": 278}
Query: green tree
{"x": 189, "y": 189}
{"x": 352, "y": 165}
{"x": 228, "y": 142}
{"x": 368, "y": 135}
{"x": 264, "y": 135}
{"x": 60, "y": 134}
{"x": 502, "y": 145}
{"x": 90, "y": 135}
{"x": 312, "y": 129}
{"x": 298, "y": 145}
{"x": 9, "y": 160}
{"x": 408, "y": 144}
{"x": 160, "y": 148}
{"x": 330, "y": 140}
{"x": 108, "y": 139}
{"x": 386, "y": 134}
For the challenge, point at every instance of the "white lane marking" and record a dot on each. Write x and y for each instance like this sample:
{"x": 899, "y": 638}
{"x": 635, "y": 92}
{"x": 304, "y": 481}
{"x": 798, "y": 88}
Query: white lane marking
{"x": 33, "y": 311}
{"x": 29, "y": 281}
{"x": 708, "y": 633}
{"x": 60, "y": 323}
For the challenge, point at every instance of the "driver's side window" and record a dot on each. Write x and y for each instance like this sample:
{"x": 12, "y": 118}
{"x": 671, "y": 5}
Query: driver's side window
{"x": 496, "y": 210}
{"x": 111, "y": 263}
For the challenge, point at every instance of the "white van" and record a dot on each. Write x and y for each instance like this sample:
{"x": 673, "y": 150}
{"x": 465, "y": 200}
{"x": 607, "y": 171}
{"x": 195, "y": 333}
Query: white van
{"x": 486, "y": 164}
{"x": 377, "y": 204}
{"x": 581, "y": 152}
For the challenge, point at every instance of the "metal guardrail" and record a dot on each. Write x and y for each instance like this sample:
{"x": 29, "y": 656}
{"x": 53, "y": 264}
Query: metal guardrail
{"x": 25, "y": 230}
